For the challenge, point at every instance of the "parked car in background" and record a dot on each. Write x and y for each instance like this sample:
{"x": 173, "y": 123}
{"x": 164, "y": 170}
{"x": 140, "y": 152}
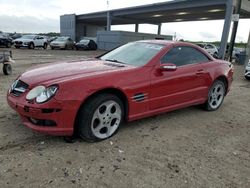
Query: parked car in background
{"x": 86, "y": 44}
{"x": 51, "y": 39}
{"x": 5, "y": 41}
{"x": 210, "y": 48}
{"x": 237, "y": 52}
{"x": 247, "y": 72}
{"x": 93, "y": 97}
{"x": 31, "y": 41}
{"x": 15, "y": 35}
{"x": 62, "y": 43}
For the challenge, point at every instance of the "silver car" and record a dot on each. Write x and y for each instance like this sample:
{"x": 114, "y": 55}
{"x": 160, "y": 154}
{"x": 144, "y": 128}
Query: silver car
{"x": 247, "y": 73}
{"x": 62, "y": 43}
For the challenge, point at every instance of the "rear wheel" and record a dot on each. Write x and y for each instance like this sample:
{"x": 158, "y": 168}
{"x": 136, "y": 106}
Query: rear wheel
{"x": 7, "y": 69}
{"x": 247, "y": 77}
{"x": 216, "y": 96}
{"x": 100, "y": 118}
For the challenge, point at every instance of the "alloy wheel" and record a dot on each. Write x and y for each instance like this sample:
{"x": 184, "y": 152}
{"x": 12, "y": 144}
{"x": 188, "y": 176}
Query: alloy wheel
{"x": 216, "y": 95}
{"x": 106, "y": 119}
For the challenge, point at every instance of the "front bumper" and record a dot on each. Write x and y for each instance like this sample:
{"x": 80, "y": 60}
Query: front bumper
{"x": 247, "y": 72}
{"x": 57, "y": 46}
{"x": 21, "y": 44}
{"x": 60, "y": 116}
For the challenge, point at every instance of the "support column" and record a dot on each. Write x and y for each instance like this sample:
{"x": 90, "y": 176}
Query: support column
{"x": 159, "y": 29}
{"x": 136, "y": 28}
{"x": 109, "y": 20}
{"x": 234, "y": 30}
{"x": 248, "y": 49}
{"x": 226, "y": 29}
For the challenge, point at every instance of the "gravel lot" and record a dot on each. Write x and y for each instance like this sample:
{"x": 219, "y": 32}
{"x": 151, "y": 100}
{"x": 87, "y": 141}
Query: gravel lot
{"x": 184, "y": 148}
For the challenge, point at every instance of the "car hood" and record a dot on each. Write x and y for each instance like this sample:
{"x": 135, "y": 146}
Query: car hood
{"x": 58, "y": 42}
{"x": 23, "y": 40}
{"x": 56, "y": 72}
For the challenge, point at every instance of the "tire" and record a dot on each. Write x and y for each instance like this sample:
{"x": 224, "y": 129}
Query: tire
{"x": 8, "y": 45}
{"x": 216, "y": 96}
{"x": 100, "y": 118}
{"x": 52, "y": 48}
{"x": 31, "y": 46}
{"x": 45, "y": 45}
{"x": 7, "y": 69}
{"x": 248, "y": 78}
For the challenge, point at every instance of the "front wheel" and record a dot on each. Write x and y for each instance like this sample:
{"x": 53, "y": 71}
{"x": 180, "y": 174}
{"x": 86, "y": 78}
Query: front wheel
{"x": 7, "y": 69}
{"x": 32, "y": 46}
{"x": 45, "y": 45}
{"x": 8, "y": 45}
{"x": 100, "y": 118}
{"x": 216, "y": 96}
{"x": 247, "y": 77}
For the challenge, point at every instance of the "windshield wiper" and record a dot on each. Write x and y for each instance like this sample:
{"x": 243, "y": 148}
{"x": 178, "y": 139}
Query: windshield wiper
{"x": 115, "y": 61}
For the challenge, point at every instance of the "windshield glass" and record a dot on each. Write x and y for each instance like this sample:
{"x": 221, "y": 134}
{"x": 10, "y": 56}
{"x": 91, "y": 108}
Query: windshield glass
{"x": 84, "y": 41}
{"x": 61, "y": 39}
{"x": 136, "y": 53}
{"x": 28, "y": 36}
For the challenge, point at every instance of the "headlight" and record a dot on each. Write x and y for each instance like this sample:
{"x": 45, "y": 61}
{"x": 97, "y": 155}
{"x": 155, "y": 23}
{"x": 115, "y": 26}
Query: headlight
{"x": 42, "y": 94}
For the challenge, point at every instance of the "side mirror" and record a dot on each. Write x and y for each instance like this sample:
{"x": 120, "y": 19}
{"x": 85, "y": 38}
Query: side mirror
{"x": 168, "y": 67}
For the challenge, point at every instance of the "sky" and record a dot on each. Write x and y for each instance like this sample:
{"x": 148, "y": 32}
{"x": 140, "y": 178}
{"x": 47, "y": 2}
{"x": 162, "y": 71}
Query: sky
{"x": 38, "y": 16}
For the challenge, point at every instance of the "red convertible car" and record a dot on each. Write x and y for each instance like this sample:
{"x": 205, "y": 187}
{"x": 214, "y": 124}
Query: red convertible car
{"x": 140, "y": 79}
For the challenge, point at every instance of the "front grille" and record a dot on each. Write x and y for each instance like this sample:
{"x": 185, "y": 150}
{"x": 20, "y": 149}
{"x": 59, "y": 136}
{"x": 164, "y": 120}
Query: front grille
{"x": 18, "y": 88}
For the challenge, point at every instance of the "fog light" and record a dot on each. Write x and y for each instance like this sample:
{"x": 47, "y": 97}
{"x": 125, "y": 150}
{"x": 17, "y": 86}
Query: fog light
{"x": 42, "y": 123}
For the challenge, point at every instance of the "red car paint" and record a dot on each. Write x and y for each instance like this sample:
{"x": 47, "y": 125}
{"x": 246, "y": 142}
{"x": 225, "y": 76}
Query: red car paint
{"x": 78, "y": 80}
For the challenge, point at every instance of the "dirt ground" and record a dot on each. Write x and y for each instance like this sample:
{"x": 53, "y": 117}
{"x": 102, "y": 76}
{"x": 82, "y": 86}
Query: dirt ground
{"x": 187, "y": 148}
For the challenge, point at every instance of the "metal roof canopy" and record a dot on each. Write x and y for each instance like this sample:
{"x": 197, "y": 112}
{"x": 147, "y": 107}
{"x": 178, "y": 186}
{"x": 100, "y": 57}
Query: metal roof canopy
{"x": 171, "y": 11}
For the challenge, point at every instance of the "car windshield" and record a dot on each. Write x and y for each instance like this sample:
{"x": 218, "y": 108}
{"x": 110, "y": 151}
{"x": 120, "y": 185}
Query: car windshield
{"x": 61, "y": 39}
{"x": 28, "y": 36}
{"x": 136, "y": 53}
{"x": 84, "y": 41}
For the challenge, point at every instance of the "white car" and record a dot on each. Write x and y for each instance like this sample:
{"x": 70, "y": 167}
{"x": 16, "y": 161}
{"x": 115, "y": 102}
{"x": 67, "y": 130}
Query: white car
{"x": 247, "y": 72}
{"x": 31, "y": 41}
{"x": 210, "y": 48}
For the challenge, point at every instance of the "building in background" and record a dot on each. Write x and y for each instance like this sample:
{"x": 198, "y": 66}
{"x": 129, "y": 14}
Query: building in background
{"x": 98, "y": 24}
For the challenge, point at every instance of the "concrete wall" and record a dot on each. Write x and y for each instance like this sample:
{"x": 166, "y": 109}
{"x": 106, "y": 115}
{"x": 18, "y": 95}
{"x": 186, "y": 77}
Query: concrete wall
{"x": 86, "y": 30}
{"x": 68, "y": 25}
{"x": 92, "y": 30}
{"x": 108, "y": 40}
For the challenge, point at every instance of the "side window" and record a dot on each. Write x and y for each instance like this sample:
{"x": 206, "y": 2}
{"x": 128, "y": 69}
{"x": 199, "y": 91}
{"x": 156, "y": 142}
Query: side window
{"x": 184, "y": 55}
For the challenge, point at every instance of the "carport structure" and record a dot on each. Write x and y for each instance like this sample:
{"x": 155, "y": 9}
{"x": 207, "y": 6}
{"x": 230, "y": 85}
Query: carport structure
{"x": 170, "y": 11}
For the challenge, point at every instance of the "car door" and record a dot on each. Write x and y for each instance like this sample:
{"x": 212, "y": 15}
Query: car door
{"x": 39, "y": 41}
{"x": 180, "y": 87}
